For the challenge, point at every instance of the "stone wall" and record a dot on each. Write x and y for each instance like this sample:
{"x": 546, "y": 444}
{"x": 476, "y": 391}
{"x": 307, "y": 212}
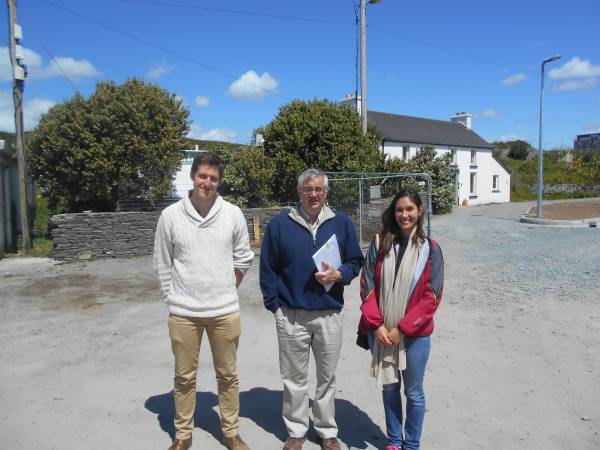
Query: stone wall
{"x": 86, "y": 236}
{"x": 565, "y": 188}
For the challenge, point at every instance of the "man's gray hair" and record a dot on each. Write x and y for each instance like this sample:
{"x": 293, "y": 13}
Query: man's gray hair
{"x": 311, "y": 174}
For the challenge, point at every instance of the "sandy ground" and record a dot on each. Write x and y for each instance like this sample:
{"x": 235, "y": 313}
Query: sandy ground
{"x": 514, "y": 363}
{"x": 572, "y": 210}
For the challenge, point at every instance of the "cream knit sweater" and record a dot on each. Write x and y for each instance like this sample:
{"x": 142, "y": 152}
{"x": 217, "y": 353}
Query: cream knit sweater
{"x": 195, "y": 257}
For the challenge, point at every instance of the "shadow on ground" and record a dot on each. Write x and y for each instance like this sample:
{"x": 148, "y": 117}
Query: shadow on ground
{"x": 263, "y": 407}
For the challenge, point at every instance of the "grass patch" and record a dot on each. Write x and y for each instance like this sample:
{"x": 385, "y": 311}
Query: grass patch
{"x": 523, "y": 194}
{"x": 42, "y": 248}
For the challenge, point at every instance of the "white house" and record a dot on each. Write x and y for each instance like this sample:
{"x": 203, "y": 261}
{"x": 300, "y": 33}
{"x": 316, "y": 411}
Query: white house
{"x": 182, "y": 181}
{"x": 479, "y": 177}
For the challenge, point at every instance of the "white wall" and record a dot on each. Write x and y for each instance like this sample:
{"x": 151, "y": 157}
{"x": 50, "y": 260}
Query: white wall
{"x": 182, "y": 182}
{"x": 485, "y": 168}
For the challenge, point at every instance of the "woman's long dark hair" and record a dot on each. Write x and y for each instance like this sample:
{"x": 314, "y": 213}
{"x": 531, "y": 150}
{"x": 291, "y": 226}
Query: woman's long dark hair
{"x": 390, "y": 231}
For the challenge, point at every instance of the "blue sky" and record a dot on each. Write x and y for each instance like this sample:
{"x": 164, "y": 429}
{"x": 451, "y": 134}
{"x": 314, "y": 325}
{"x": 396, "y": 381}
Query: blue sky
{"x": 428, "y": 59}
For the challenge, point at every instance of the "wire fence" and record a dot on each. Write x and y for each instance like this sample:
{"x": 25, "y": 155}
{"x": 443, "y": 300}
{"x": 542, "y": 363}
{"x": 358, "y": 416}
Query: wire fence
{"x": 364, "y": 197}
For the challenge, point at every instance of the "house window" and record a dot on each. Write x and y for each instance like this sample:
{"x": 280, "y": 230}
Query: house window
{"x": 405, "y": 152}
{"x": 473, "y": 183}
{"x": 473, "y": 157}
{"x": 453, "y": 155}
{"x": 495, "y": 183}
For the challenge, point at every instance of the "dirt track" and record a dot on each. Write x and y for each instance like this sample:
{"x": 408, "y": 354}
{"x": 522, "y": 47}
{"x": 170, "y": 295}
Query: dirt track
{"x": 572, "y": 210}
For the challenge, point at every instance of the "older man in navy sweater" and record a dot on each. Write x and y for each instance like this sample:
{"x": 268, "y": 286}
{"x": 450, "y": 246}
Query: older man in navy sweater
{"x": 307, "y": 315}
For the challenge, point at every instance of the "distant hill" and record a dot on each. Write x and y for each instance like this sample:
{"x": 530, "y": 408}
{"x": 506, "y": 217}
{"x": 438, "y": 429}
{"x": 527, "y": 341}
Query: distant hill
{"x": 215, "y": 145}
{"x": 559, "y": 169}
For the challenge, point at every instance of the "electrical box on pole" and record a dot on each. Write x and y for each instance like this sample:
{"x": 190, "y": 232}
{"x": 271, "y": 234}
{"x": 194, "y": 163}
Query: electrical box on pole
{"x": 19, "y": 73}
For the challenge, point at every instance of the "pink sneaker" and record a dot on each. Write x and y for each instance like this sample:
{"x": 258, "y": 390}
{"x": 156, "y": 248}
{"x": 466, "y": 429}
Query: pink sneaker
{"x": 392, "y": 447}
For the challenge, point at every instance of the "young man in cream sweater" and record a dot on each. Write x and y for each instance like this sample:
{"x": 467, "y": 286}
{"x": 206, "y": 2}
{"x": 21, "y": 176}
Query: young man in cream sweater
{"x": 201, "y": 253}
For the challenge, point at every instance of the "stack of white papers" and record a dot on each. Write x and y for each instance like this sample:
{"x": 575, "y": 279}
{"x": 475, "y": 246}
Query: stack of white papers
{"x": 329, "y": 253}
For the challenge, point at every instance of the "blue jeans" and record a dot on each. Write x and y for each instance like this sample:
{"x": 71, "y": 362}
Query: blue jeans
{"x": 417, "y": 353}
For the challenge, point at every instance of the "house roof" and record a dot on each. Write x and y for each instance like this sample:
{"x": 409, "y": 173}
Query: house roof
{"x": 418, "y": 130}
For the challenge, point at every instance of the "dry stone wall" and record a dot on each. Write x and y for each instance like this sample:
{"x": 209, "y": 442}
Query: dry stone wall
{"x": 85, "y": 236}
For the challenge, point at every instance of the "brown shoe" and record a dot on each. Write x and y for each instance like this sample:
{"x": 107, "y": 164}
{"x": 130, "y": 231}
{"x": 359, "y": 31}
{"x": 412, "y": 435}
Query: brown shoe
{"x": 293, "y": 443}
{"x": 181, "y": 444}
{"x": 235, "y": 443}
{"x": 330, "y": 444}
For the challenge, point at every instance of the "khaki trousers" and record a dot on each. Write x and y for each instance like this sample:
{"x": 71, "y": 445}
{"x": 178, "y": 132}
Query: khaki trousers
{"x": 298, "y": 332}
{"x": 223, "y": 335}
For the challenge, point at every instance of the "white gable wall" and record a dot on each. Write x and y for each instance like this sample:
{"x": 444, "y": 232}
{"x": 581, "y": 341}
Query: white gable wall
{"x": 182, "y": 182}
{"x": 485, "y": 168}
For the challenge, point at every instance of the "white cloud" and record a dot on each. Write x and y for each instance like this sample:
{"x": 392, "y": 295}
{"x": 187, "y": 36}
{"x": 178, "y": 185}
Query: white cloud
{"x": 488, "y": 113}
{"x": 251, "y": 86}
{"x": 214, "y": 134}
{"x": 158, "y": 71}
{"x": 513, "y": 79}
{"x": 74, "y": 69}
{"x": 201, "y": 101}
{"x": 32, "y": 110}
{"x": 575, "y": 68}
{"x": 575, "y": 85}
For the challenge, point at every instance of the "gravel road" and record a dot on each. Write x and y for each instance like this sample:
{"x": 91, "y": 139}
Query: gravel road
{"x": 86, "y": 359}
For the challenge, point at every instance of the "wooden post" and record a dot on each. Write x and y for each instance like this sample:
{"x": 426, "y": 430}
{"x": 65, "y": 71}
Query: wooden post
{"x": 256, "y": 228}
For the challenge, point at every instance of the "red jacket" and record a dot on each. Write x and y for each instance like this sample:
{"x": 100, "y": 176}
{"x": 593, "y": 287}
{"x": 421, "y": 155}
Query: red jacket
{"x": 422, "y": 303}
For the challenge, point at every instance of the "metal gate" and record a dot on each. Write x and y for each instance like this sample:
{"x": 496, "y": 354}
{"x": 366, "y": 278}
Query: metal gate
{"x": 364, "y": 197}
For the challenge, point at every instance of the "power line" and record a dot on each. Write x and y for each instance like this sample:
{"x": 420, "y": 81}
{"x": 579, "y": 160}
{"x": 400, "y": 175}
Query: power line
{"x": 158, "y": 47}
{"x": 334, "y": 22}
{"x": 239, "y": 12}
{"x": 449, "y": 50}
{"x": 275, "y": 16}
{"x": 50, "y": 54}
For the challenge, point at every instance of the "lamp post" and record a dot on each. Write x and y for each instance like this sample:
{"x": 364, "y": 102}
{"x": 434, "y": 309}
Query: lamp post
{"x": 363, "y": 62}
{"x": 540, "y": 150}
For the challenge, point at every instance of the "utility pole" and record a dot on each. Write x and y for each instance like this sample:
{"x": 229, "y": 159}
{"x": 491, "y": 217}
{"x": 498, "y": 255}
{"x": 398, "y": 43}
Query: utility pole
{"x": 19, "y": 73}
{"x": 363, "y": 65}
{"x": 540, "y": 191}
{"x": 363, "y": 62}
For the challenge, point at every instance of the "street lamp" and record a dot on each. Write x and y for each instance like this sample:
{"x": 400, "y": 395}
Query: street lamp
{"x": 540, "y": 150}
{"x": 363, "y": 62}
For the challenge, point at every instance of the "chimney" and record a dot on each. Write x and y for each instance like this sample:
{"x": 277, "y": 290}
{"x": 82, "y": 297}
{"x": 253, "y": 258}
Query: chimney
{"x": 352, "y": 100}
{"x": 463, "y": 118}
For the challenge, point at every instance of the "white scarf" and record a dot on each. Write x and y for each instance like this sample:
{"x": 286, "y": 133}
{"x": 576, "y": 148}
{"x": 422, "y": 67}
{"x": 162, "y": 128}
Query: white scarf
{"x": 394, "y": 294}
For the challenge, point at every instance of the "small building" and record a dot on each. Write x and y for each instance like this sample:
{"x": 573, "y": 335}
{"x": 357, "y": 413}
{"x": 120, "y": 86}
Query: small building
{"x": 182, "y": 181}
{"x": 479, "y": 177}
{"x": 587, "y": 141}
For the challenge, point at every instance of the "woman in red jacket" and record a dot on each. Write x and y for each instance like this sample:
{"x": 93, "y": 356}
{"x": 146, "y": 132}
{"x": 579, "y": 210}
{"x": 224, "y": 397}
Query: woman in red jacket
{"x": 401, "y": 288}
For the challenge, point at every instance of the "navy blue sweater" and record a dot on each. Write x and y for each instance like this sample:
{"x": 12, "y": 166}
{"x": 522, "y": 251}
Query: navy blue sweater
{"x": 287, "y": 270}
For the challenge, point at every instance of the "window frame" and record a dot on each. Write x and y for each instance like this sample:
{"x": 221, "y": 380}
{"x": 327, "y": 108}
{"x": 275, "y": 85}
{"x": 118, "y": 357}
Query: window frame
{"x": 473, "y": 184}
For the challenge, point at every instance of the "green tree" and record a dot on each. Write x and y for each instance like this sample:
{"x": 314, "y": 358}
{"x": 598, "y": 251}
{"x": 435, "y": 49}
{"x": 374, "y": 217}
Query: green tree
{"x": 248, "y": 179}
{"x": 319, "y": 134}
{"x": 519, "y": 150}
{"x": 122, "y": 141}
{"x": 438, "y": 167}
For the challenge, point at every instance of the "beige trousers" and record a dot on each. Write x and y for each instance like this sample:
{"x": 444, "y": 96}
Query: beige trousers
{"x": 298, "y": 332}
{"x": 223, "y": 335}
